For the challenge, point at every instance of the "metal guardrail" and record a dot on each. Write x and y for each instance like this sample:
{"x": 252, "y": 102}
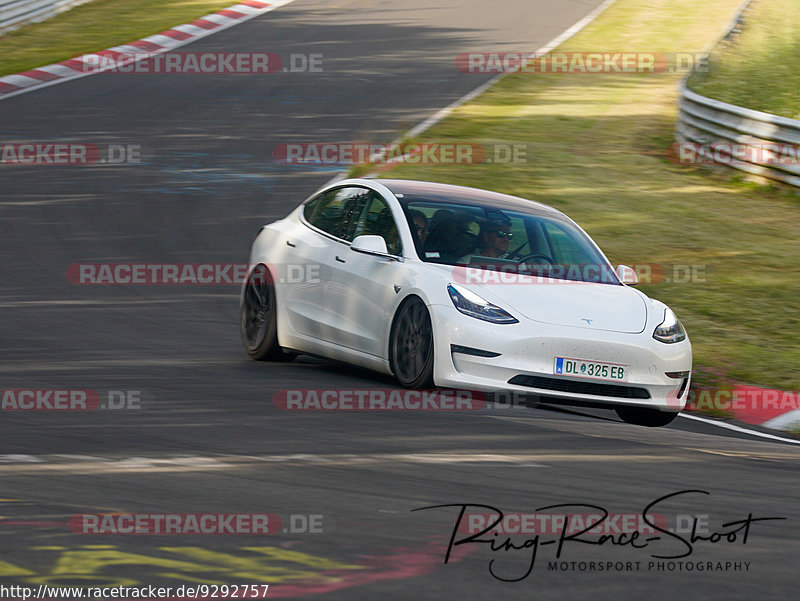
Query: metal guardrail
{"x": 15, "y": 13}
{"x": 752, "y": 141}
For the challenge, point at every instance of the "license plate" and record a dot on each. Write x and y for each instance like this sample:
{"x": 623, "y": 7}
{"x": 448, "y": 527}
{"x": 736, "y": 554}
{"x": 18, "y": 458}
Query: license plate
{"x": 599, "y": 370}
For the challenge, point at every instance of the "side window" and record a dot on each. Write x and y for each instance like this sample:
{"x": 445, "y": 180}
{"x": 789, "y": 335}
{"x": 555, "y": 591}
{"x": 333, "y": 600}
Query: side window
{"x": 331, "y": 211}
{"x": 375, "y": 218}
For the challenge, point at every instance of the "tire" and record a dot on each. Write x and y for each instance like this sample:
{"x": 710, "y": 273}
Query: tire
{"x": 258, "y": 323}
{"x": 641, "y": 416}
{"x": 411, "y": 345}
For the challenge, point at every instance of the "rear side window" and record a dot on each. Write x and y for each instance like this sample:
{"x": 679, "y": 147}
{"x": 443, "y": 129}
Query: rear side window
{"x": 331, "y": 211}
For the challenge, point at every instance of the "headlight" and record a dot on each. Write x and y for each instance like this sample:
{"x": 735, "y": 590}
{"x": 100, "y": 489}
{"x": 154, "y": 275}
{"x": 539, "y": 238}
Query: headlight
{"x": 670, "y": 330}
{"x": 473, "y": 305}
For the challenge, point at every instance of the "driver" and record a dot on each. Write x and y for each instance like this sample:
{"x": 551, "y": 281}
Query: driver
{"x": 493, "y": 238}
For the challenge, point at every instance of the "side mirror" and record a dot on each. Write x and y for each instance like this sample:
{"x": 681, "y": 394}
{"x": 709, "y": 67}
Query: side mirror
{"x": 626, "y": 275}
{"x": 370, "y": 245}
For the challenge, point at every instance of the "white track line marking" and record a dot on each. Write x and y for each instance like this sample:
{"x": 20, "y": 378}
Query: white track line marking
{"x": 739, "y": 429}
{"x": 551, "y": 45}
{"x": 444, "y": 112}
{"x": 466, "y": 458}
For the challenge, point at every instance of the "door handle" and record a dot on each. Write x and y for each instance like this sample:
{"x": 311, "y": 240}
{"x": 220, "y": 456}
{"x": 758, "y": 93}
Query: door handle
{"x": 292, "y": 244}
{"x": 338, "y": 258}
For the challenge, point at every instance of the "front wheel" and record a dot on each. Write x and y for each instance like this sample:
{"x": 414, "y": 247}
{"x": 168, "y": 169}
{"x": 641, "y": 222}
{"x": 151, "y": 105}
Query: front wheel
{"x": 259, "y": 317}
{"x": 411, "y": 345}
{"x": 641, "y": 416}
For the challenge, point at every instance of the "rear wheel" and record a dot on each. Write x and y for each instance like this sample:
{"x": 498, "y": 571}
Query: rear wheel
{"x": 411, "y": 345}
{"x": 259, "y": 318}
{"x": 641, "y": 416}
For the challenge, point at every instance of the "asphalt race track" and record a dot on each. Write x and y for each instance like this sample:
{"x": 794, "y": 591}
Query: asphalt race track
{"x": 207, "y": 437}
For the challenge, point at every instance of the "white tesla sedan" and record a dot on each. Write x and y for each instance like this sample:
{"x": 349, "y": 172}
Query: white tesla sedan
{"x": 457, "y": 287}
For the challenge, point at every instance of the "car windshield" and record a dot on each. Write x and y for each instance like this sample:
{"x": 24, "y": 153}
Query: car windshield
{"x": 503, "y": 239}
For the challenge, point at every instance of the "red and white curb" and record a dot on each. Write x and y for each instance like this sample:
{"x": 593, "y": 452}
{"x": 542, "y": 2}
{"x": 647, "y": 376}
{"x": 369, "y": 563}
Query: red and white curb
{"x": 765, "y": 407}
{"x": 777, "y": 409}
{"x": 753, "y": 405}
{"x": 81, "y": 66}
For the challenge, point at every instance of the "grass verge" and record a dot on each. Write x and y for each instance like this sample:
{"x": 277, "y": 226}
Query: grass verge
{"x": 758, "y": 69}
{"x": 596, "y": 150}
{"x": 95, "y": 26}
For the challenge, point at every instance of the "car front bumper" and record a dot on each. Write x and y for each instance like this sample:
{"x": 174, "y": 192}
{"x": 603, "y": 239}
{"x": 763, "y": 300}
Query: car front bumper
{"x": 526, "y": 354}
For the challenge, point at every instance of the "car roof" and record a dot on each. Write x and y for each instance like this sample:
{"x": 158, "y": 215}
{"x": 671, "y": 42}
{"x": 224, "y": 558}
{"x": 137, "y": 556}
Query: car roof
{"x": 462, "y": 194}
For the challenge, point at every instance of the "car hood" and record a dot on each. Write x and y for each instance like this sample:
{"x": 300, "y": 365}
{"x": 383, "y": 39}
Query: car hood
{"x": 608, "y": 307}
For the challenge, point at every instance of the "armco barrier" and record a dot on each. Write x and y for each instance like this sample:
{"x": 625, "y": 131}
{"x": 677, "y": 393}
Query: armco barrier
{"x": 14, "y": 13}
{"x": 706, "y": 121}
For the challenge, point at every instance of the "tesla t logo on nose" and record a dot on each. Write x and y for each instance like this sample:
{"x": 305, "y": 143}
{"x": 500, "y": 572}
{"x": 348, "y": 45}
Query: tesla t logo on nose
{"x": 588, "y": 321}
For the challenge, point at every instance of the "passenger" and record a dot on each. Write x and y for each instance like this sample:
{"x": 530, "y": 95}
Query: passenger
{"x": 449, "y": 236}
{"x": 419, "y": 226}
